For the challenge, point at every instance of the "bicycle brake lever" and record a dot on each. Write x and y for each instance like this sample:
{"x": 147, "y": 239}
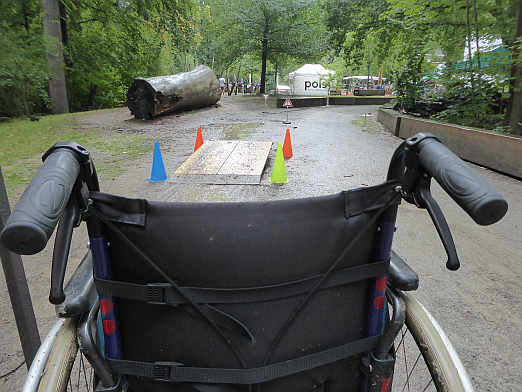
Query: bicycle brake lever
{"x": 427, "y": 201}
{"x": 62, "y": 245}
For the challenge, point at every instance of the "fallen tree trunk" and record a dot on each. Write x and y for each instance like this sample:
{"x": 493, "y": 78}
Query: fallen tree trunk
{"x": 150, "y": 97}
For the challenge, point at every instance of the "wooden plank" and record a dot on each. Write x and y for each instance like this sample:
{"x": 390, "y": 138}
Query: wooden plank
{"x": 246, "y": 163}
{"x": 225, "y": 162}
{"x": 208, "y": 159}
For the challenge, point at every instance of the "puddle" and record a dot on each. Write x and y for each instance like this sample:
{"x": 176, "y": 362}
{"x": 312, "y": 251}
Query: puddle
{"x": 233, "y": 131}
{"x": 368, "y": 125}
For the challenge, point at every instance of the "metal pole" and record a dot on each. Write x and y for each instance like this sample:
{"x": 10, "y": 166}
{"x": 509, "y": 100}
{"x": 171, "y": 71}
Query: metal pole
{"x": 17, "y": 288}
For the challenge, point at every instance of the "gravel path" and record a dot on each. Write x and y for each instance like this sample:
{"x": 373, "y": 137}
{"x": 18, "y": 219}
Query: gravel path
{"x": 479, "y": 306}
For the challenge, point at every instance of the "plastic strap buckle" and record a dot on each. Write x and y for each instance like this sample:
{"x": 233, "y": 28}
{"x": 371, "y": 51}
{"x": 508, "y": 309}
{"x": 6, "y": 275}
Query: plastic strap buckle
{"x": 161, "y": 370}
{"x": 155, "y": 293}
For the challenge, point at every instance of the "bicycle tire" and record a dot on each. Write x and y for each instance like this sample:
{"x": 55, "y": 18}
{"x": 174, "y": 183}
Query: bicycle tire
{"x": 446, "y": 368}
{"x": 57, "y": 371}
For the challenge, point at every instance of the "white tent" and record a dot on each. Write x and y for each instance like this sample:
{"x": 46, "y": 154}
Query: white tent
{"x": 310, "y": 79}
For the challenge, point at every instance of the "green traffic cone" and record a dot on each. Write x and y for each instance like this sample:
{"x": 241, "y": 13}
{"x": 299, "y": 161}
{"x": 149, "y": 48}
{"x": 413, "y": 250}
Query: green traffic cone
{"x": 279, "y": 172}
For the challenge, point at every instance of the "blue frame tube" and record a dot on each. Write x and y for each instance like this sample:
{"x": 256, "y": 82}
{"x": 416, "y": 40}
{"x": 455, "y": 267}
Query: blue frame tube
{"x": 102, "y": 270}
{"x": 377, "y": 306}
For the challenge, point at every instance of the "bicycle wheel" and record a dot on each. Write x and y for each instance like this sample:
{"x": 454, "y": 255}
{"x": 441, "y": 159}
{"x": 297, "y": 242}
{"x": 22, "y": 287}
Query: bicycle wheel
{"x": 425, "y": 358}
{"x": 59, "y": 366}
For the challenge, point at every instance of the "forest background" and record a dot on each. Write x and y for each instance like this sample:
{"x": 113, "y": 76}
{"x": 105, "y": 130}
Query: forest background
{"x": 100, "y": 46}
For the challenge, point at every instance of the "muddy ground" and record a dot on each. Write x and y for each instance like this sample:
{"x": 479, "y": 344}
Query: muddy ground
{"x": 479, "y": 306}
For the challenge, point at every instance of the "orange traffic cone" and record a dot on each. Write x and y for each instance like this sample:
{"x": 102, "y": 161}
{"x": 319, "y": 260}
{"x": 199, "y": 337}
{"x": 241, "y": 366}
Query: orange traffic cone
{"x": 287, "y": 145}
{"x": 199, "y": 140}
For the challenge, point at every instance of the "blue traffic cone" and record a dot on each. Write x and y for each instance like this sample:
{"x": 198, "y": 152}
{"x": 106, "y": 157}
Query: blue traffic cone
{"x": 158, "y": 169}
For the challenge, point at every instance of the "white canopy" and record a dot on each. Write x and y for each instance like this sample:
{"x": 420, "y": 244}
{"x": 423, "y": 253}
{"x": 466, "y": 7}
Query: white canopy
{"x": 310, "y": 79}
{"x": 311, "y": 69}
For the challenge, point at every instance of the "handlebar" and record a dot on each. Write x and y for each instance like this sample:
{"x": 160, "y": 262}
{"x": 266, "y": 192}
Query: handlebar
{"x": 421, "y": 157}
{"x": 483, "y": 204}
{"x": 37, "y": 212}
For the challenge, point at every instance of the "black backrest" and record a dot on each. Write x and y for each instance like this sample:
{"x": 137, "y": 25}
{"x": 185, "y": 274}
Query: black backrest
{"x": 238, "y": 245}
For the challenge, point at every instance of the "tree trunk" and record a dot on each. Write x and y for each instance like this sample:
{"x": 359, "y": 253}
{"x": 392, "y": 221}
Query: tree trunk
{"x": 25, "y": 11}
{"x": 65, "y": 44}
{"x": 63, "y": 24}
{"x": 92, "y": 96}
{"x": 227, "y": 82}
{"x": 238, "y": 76}
{"x": 468, "y": 31}
{"x": 275, "y": 79}
{"x": 147, "y": 98}
{"x": 263, "y": 65}
{"x": 53, "y": 37}
{"x": 476, "y": 33}
{"x": 516, "y": 74}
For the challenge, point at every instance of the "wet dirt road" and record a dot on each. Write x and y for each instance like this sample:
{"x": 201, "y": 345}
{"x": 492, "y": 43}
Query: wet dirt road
{"x": 479, "y": 306}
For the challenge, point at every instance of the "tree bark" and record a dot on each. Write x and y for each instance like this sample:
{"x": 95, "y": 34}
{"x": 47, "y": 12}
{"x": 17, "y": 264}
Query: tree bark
{"x": 476, "y": 33}
{"x": 263, "y": 65}
{"x": 238, "y": 76}
{"x": 63, "y": 24}
{"x": 227, "y": 82}
{"x": 53, "y": 38}
{"x": 516, "y": 74}
{"x": 275, "y": 79}
{"x": 92, "y": 96}
{"x": 470, "y": 59}
{"x": 25, "y": 11}
{"x": 147, "y": 98}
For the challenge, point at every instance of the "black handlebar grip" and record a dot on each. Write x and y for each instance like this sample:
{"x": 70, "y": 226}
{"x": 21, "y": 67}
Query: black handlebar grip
{"x": 462, "y": 183}
{"x": 35, "y": 215}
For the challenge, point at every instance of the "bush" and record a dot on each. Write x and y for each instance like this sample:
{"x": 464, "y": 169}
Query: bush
{"x": 23, "y": 72}
{"x": 477, "y": 104}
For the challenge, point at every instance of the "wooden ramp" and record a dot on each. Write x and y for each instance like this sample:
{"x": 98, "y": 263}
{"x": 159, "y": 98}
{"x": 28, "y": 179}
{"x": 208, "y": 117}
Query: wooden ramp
{"x": 225, "y": 162}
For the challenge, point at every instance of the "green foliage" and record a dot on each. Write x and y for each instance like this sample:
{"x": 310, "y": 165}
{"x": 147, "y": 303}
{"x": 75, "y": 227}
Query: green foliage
{"x": 402, "y": 39}
{"x": 480, "y": 107}
{"x": 106, "y": 45}
{"x": 23, "y": 79}
{"x": 279, "y": 31}
{"x": 111, "y": 45}
{"x": 408, "y": 84}
{"x": 107, "y": 55}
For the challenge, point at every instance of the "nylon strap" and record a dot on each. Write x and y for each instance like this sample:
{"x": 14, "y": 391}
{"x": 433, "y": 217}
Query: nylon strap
{"x": 163, "y": 293}
{"x": 176, "y": 372}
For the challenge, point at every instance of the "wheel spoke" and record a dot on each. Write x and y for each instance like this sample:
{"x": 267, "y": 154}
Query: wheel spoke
{"x": 85, "y": 373}
{"x": 403, "y": 333}
{"x": 411, "y": 372}
{"x": 79, "y": 375}
{"x": 427, "y": 385}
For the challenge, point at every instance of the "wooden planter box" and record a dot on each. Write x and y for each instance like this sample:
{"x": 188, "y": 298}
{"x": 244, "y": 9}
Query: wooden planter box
{"x": 493, "y": 150}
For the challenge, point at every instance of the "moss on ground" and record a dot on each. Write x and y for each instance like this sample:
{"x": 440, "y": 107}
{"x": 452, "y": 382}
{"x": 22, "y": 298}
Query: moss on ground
{"x": 368, "y": 125}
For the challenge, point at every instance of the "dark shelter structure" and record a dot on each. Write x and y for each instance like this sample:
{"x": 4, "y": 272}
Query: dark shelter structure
{"x": 150, "y": 97}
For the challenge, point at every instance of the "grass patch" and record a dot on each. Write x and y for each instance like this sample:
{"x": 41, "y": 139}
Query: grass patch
{"x": 23, "y": 142}
{"x": 368, "y": 125}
